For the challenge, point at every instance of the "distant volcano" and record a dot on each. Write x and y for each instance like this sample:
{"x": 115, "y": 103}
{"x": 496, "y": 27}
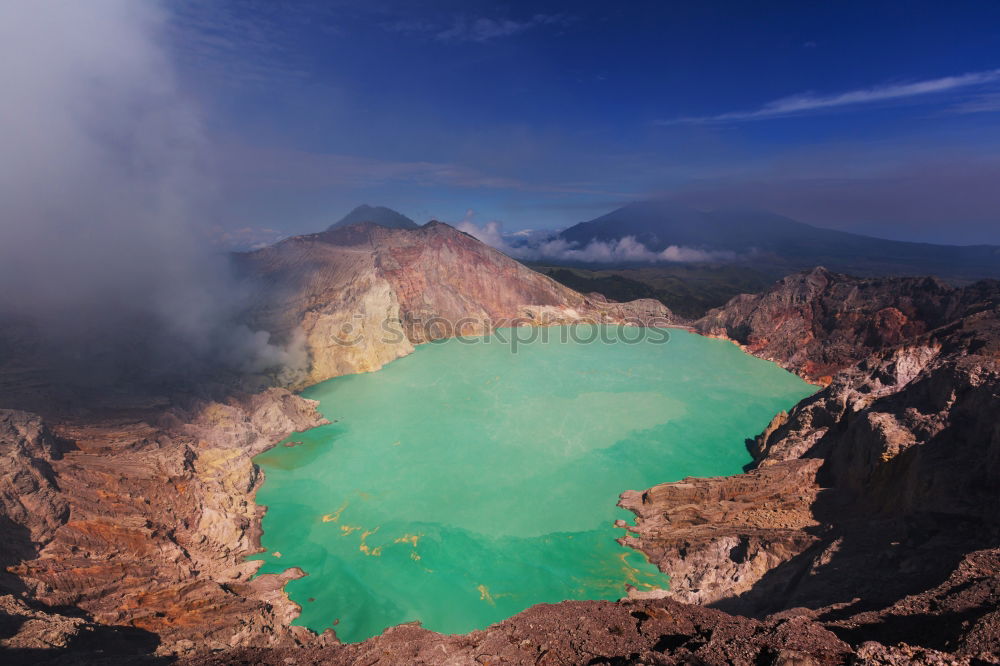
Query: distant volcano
{"x": 770, "y": 241}
{"x": 380, "y": 215}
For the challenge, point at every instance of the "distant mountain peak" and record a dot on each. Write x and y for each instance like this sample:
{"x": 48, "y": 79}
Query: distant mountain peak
{"x": 380, "y": 215}
{"x": 777, "y": 244}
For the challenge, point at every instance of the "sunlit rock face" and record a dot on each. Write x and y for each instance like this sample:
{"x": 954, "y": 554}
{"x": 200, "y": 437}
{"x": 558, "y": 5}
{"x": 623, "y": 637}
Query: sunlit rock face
{"x": 141, "y": 519}
{"x": 877, "y": 488}
{"x": 359, "y": 296}
{"x": 817, "y": 323}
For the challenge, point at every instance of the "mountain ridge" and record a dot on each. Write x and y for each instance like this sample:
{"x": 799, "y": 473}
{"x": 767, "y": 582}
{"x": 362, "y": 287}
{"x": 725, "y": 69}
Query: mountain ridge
{"x": 380, "y": 215}
{"x": 411, "y": 280}
{"x": 762, "y": 238}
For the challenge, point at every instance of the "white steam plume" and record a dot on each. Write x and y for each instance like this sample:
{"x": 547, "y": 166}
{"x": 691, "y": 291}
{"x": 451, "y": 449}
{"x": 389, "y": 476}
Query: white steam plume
{"x": 102, "y": 181}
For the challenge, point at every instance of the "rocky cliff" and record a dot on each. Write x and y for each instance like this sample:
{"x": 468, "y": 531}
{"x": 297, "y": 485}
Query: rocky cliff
{"x": 867, "y": 532}
{"x": 127, "y": 519}
{"x": 817, "y": 323}
{"x": 357, "y": 297}
{"x": 141, "y": 522}
{"x": 873, "y": 494}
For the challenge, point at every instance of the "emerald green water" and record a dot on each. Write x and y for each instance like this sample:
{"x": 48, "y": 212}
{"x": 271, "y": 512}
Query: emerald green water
{"x": 464, "y": 483}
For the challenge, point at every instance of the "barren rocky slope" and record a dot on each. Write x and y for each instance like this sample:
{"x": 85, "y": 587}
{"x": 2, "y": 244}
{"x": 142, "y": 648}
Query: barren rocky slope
{"x": 363, "y": 295}
{"x": 817, "y": 323}
{"x": 880, "y": 487}
{"x": 132, "y": 519}
{"x": 140, "y": 522}
{"x": 871, "y": 517}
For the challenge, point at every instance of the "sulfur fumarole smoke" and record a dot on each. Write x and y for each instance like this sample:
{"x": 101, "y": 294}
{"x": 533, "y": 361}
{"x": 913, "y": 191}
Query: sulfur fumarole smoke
{"x": 103, "y": 185}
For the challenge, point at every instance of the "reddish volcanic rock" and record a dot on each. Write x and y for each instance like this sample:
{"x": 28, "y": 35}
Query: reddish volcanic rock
{"x": 817, "y": 323}
{"x": 360, "y": 296}
{"x": 583, "y": 632}
{"x": 867, "y": 534}
{"x": 900, "y": 461}
{"x": 159, "y": 520}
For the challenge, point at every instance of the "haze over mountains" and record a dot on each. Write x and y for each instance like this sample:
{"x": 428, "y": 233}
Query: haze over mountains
{"x": 692, "y": 260}
{"x": 776, "y": 243}
{"x": 668, "y": 233}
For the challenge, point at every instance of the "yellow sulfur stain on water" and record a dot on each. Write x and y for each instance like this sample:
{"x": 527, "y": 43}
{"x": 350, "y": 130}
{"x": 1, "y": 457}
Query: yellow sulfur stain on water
{"x": 632, "y": 573}
{"x": 365, "y": 548}
{"x": 335, "y": 516}
{"x": 411, "y": 539}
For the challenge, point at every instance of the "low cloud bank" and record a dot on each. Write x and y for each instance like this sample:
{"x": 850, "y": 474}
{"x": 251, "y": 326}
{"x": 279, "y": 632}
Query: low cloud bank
{"x": 103, "y": 185}
{"x": 545, "y": 246}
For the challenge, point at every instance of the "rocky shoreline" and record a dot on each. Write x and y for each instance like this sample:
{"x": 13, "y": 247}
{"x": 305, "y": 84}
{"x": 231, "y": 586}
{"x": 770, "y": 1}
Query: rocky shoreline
{"x": 867, "y": 495}
{"x": 869, "y": 522}
{"x": 153, "y": 522}
{"x": 139, "y": 518}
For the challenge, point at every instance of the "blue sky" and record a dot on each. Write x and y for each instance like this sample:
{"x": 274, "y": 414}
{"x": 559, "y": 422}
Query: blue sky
{"x": 881, "y": 118}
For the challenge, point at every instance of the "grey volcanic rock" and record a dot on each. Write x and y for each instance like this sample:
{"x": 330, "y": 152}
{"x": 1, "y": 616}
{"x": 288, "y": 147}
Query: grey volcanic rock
{"x": 32, "y": 507}
{"x": 718, "y": 537}
{"x": 958, "y": 616}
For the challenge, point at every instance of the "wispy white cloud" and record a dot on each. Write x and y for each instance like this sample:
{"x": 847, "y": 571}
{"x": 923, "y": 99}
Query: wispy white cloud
{"x": 238, "y": 47}
{"x": 480, "y": 29}
{"x": 243, "y": 238}
{"x": 486, "y": 29}
{"x": 244, "y": 167}
{"x": 621, "y": 251}
{"x": 988, "y": 103}
{"x": 626, "y": 250}
{"x": 808, "y": 102}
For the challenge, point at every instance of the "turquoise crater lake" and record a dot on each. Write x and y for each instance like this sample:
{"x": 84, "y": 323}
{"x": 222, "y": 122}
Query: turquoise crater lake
{"x": 465, "y": 483}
